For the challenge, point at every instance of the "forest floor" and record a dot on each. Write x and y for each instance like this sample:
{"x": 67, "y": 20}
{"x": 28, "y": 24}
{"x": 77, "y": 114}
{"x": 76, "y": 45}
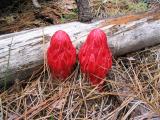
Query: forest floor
{"x": 132, "y": 89}
{"x": 23, "y": 15}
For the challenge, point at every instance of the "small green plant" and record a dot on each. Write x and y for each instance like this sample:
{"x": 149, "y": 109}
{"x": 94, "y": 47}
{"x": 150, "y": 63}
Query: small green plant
{"x": 62, "y": 19}
{"x": 75, "y": 10}
{"x": 69, "y": 16}
{"x": 137, "y": 7}
{"x": 51, "y": 118}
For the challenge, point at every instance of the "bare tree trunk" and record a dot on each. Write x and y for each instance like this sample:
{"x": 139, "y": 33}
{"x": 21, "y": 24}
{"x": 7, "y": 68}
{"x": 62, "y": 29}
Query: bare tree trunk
{"x": 84, "y": 12}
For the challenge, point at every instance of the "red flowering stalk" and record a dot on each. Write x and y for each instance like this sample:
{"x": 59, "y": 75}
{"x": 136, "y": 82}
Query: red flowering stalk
{"x": 95, "y": 57}
{"x": 61, "y": 55}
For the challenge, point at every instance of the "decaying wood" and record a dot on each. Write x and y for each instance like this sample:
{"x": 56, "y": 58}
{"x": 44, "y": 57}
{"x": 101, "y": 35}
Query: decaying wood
{"x": 22, "y": 52}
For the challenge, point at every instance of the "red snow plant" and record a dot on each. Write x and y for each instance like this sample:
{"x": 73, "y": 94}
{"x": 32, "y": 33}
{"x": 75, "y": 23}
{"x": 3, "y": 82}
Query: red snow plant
{"x": 95, "y": 57}
{"x": 61, "y": 55}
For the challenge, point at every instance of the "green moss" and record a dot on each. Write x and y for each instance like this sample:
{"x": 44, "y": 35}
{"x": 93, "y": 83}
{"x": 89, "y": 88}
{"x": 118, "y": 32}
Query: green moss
{"x": 69, "y": 16}
{"x": 51, "y": 118}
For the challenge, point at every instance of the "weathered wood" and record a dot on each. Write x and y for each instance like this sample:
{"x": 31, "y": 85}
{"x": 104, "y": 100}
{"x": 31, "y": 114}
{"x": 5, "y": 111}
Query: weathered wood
{"x": 22, "y": 52}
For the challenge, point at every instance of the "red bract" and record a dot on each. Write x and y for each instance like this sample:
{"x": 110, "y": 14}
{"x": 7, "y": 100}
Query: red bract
{"x": 61, "y": 55}
{"x": 95, "y": 56}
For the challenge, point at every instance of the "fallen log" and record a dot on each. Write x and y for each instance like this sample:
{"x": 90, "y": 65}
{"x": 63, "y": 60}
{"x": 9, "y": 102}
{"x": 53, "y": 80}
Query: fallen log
{"x": 22, "y": 52}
